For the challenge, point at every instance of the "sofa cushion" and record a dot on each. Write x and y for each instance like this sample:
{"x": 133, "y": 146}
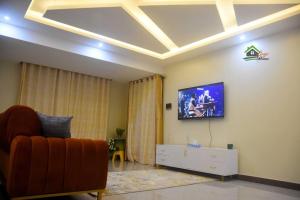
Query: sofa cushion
{"x": 53, "y": 126}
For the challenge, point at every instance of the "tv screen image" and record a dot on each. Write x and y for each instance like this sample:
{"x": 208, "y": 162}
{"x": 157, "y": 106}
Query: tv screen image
{"x": 200, "y": 102}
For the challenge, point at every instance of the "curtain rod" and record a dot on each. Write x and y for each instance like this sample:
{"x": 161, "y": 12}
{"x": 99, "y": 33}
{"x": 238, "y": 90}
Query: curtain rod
{"x": 147, "y": 77}
{"x": 109, "y": 79}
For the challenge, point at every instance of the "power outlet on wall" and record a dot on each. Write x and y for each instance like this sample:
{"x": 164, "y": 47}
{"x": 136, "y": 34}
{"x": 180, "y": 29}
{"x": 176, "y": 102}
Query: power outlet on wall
{"x": 168, "y": 106}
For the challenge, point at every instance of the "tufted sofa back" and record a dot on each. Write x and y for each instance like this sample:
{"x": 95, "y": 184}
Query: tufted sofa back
{"x": 37, "y": 165}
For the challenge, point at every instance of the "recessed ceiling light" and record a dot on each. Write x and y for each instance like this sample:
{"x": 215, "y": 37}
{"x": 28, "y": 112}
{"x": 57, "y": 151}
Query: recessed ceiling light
{"x": 100, "y": 44}
{"x": 7, "y": 18}
{"x": 242, "y": 37}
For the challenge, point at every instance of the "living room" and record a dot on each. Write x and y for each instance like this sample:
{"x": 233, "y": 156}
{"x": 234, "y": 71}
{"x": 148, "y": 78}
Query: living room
{"x": 153, "y": 100}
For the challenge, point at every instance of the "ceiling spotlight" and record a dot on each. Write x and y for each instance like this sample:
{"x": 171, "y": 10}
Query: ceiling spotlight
{"x": 100, "y": 44}
{"x": 242, "y": 37}
{"x": 7, "y": 18}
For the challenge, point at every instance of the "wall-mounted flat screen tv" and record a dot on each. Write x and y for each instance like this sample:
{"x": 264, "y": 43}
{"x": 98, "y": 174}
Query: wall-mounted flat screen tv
{"x": 206, "y": 101}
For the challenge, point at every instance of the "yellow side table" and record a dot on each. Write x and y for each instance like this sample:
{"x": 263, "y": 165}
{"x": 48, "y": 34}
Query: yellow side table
{"x": 121, "y": 154}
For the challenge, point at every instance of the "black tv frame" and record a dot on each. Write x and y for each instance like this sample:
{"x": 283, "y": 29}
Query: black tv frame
{"x": 202, "y": 118}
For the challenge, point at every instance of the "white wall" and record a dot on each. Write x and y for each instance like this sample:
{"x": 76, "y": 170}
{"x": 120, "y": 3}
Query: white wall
{"x": 118, "y": 108}
{"x": 262, "y": 105}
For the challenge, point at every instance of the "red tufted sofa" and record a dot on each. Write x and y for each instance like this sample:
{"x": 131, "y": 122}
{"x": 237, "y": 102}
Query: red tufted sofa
{"x": 35, "y": 166}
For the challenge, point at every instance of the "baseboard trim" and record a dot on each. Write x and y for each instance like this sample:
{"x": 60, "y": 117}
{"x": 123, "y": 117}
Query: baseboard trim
{"x": 218, "y": 177}
{"x": 254, "y": 179}
{"x": 283, "y": 184}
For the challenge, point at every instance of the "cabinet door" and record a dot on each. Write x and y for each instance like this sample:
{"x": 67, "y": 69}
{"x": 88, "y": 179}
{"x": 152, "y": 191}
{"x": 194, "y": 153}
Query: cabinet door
{"x": 175, "y": 156}
{"x": 216, "y": 155}
{"x": 170, "y": 155}
{"x": 194, "y": 159}
{"x": 161, "y": 155}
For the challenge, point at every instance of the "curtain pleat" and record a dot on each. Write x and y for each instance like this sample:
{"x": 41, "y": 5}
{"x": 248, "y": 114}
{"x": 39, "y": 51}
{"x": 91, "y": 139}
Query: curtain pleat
{"x": 64, "y": 93}
{"x": 144, "y": 119}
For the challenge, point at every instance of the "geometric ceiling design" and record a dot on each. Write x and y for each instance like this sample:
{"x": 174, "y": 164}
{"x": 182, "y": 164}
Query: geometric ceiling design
{"x": 186, "y": 24}
{"x": 113, "y": 22}
{"x": 152, "y": 16}
{"x": 245, "y": 14}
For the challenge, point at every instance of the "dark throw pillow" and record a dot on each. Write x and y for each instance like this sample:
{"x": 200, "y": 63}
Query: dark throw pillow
{"x": 53, "y": 126}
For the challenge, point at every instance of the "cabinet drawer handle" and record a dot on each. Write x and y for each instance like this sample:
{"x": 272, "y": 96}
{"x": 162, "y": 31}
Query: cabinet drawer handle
{"x": 212, "y": 167}
{"x": 213, "y": 156}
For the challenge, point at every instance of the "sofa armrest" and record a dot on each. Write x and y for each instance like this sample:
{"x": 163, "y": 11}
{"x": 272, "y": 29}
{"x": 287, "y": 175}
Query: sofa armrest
{"x": 40, "y": 165}
{"x": 15, "y": 121}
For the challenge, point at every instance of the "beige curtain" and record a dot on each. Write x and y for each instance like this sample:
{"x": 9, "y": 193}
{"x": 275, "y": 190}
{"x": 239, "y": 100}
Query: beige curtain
{"x": 64, "y": 93}
{"x": 144, "y": 119}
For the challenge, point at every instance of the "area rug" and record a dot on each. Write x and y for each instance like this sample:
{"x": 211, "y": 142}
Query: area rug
{"x": 152, "y": 179}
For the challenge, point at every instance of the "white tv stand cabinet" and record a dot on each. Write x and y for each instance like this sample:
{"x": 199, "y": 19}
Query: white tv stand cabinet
{"x": 218, "y": 161}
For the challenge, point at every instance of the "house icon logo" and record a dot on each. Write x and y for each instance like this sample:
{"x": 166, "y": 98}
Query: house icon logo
{"x": 252, "y": 53}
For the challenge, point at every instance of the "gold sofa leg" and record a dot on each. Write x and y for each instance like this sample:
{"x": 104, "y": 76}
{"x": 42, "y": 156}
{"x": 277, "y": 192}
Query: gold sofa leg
{"x": 99, "y": 197}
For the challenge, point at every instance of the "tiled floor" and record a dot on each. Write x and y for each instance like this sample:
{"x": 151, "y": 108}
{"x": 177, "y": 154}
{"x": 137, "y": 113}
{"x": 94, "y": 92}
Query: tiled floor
{"x": 229, "y": 190}
{"x": 232, "y": 190}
